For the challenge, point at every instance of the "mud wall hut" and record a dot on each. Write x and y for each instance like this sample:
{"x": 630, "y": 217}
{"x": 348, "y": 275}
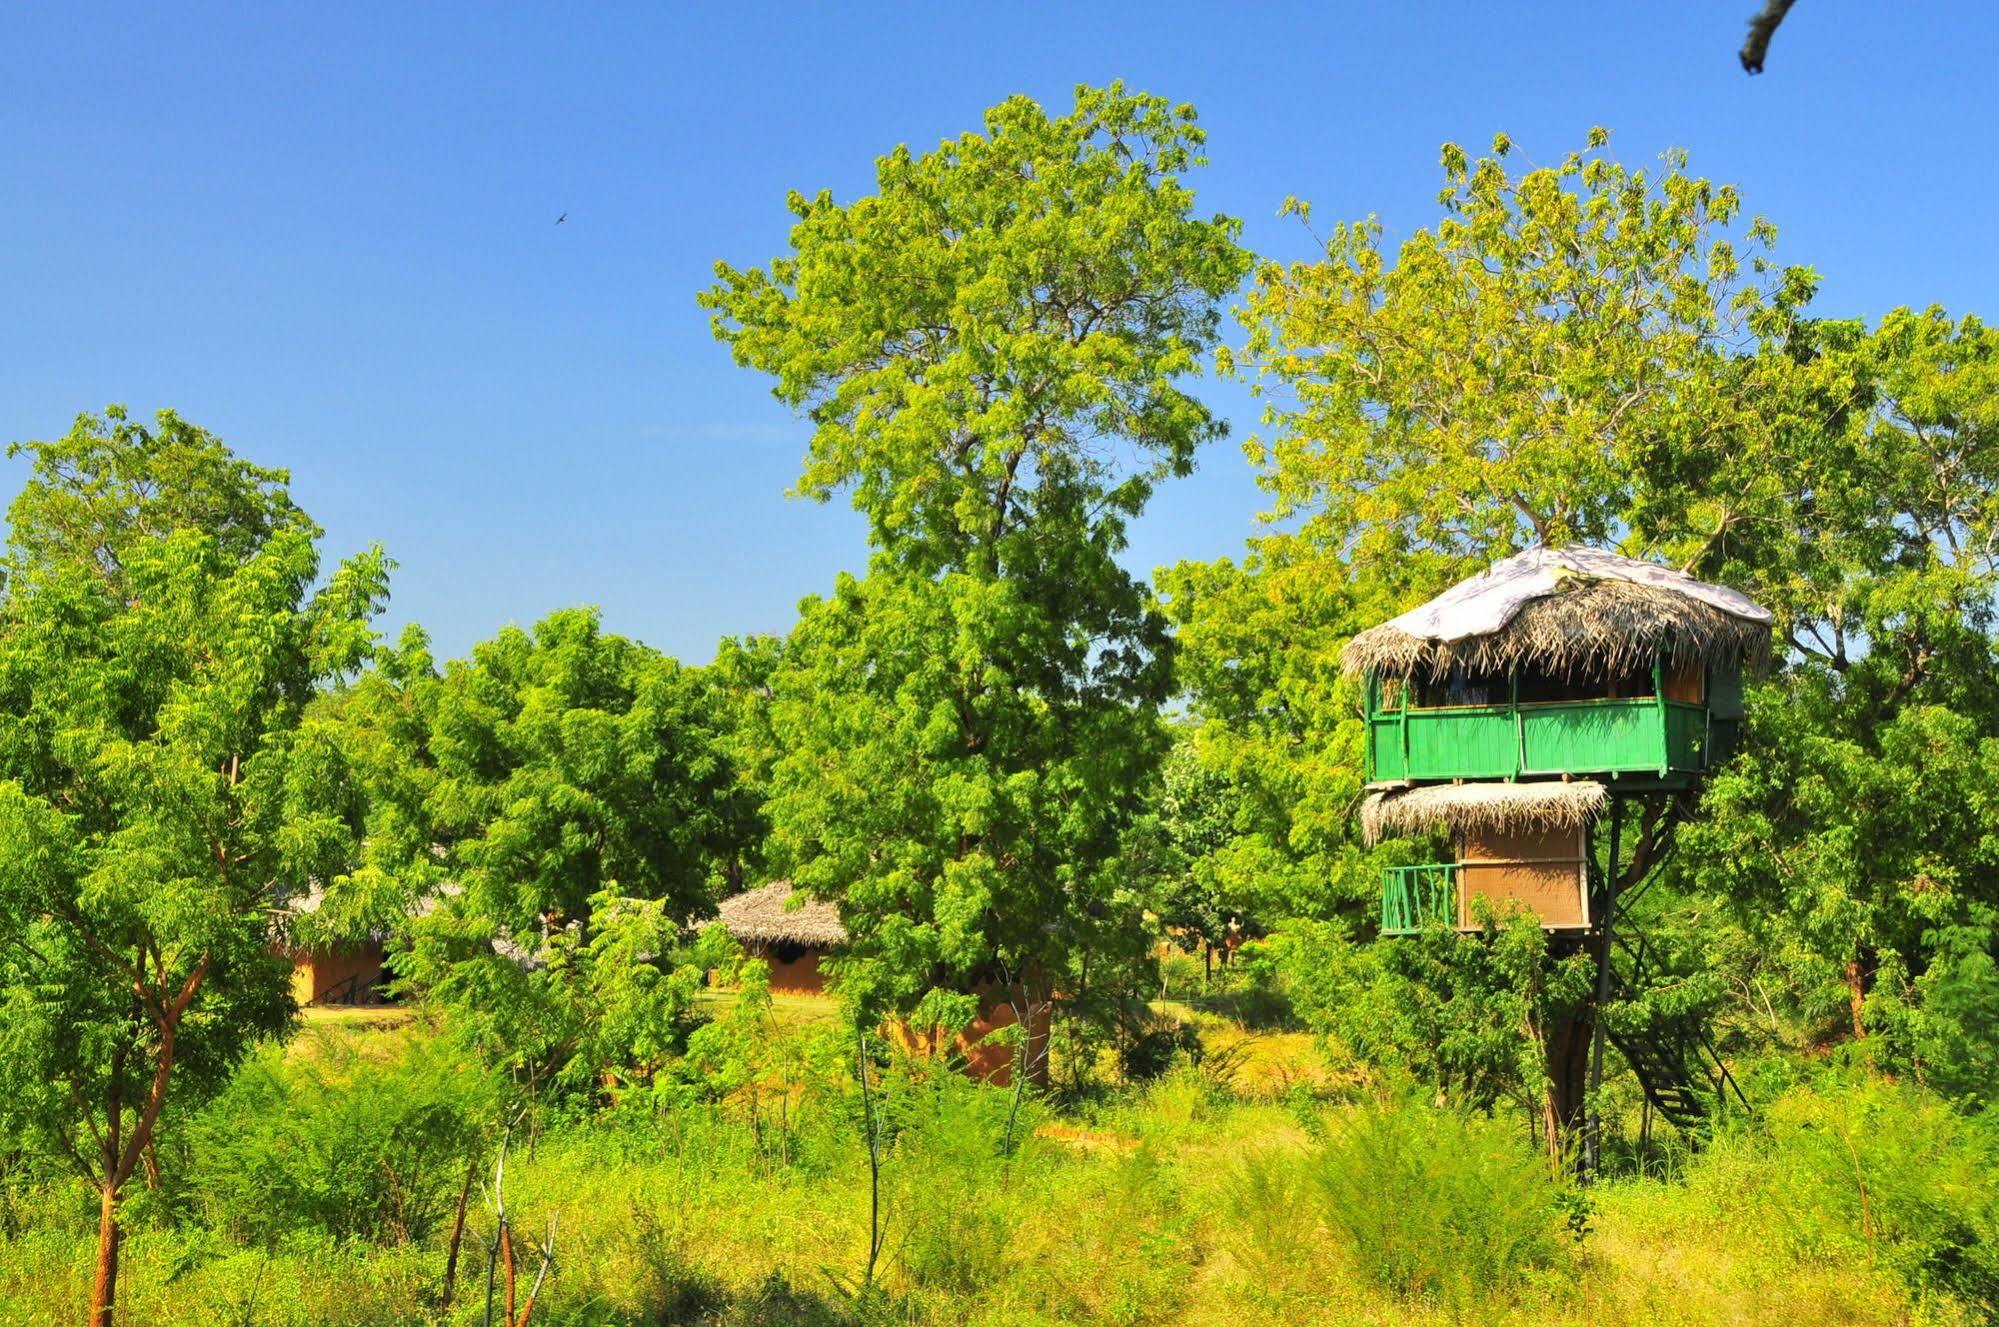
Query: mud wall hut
{"x": 788, "y": 930}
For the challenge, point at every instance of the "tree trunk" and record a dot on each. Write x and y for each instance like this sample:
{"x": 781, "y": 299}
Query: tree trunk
{"x": 104, "y": 1289}
{"x": 1856, "y": 995}
{"x": 120, "y": 1162}
{"x": 457, "y": 1234}
{"x": 1566, "y": 1047}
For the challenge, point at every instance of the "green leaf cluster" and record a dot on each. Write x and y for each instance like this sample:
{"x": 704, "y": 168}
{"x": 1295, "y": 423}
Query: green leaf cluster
{"x": 164, "y": 628}
{"x": 991, "y": 350}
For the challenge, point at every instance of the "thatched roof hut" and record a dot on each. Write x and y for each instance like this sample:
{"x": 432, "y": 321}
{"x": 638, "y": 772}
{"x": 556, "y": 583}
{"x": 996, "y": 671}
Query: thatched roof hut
{"x": 1566, "y": 610}
{"x": 778, "y": 914}
{"x": 1475, "y": 808}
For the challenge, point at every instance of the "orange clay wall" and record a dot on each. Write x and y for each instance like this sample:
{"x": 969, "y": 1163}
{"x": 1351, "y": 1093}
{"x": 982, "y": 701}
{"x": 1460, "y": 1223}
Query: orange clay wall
{"x": 801, "y": 976}
{"x": 317, "y": 972}
{"x": 986, "y": 1059}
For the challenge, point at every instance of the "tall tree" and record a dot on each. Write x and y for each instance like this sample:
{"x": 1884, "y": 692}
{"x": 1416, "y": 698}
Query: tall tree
{"x": 990, "y": 349}
{"x": 1852, "y": 837}
{"x": 1586, "y": 352}
{"x": 566, "y": 792}
{"x": 1518, "y": 371}
{"x": 160, "y": 640}
{"x": 1549, "y": 361}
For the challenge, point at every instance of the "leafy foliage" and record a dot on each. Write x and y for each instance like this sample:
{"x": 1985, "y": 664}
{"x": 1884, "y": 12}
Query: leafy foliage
{"x": 160, "y": 786}
{"x": 1466, "y": 1014}
{"x": 1592, "y": 353}
{"x": 989, "y": 348}
{"x": 551, "y": 765}
{"x": 351, "y": 1149}
{"x": 589, "y": 1007}
{"x": 547, "y": 817}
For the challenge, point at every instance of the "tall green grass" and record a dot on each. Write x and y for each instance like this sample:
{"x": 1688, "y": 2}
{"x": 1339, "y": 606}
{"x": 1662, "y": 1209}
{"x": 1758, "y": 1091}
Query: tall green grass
{"x": 1176, "y": 1203}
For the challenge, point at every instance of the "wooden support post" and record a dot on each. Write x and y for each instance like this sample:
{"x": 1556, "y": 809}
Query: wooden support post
{"x": 1658, "y": 698}
{"x": 1519, "y": 725}
{"x": 1593, "y": 1129}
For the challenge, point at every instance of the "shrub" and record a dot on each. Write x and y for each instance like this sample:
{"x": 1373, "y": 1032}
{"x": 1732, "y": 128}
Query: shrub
{"x": 1438, "y": 1205}
{"x": 1874, "y": 1171}
{"x": 350, "y": 1149}
{"x": 1181, "y": 975}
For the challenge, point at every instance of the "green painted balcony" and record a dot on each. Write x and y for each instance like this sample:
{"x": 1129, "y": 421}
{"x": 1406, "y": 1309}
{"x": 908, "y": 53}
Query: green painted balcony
{"x": 1414, "y": 897}
{"x": 1655, "y": 737}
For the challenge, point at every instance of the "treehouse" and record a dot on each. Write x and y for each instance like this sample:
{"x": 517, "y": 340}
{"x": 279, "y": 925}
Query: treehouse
{"x": 1512, "y": 708}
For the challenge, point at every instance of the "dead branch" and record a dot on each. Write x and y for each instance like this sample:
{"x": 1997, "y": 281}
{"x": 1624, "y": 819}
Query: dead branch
{"x": 1761, "y": 28}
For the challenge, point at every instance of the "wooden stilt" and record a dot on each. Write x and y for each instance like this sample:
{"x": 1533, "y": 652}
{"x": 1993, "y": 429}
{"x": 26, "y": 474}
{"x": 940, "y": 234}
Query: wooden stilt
{"x": 1593, "y": 1129}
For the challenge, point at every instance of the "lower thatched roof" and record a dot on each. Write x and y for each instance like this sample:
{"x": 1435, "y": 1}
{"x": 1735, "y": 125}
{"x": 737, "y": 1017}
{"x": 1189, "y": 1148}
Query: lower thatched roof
{"x": 1491, "y": 807}
{"x": 777, "y": 914}
{"x": 1565, "y": 610}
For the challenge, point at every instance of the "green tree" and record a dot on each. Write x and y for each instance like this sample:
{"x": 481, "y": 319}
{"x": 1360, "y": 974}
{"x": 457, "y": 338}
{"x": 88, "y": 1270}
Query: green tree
{"x": 556, "y": 808}
{"x": 160, "y": 641}
{"x": 1210, "y": 877}
{"x": 990, "y": 349}
{"x": 1586, "y": 352}
{"x": 590, "y": 1006}
{"x": 1540, "y": 365}
{"x": 569, "y": 760}
{"x": 1852, "y": 836}
{"x": 1470, "y": 1015}
{"x": 1568, "y": 354}
{"x": 1522, "y": 368}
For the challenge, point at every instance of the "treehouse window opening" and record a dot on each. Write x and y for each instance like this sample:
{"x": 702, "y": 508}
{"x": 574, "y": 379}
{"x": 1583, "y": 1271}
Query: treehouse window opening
{"x": 1540, "y": 687}
{"x": 1459, "y": 689}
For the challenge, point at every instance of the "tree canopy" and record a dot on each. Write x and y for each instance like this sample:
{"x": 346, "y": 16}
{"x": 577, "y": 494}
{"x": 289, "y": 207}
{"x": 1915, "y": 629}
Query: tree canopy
{"x": 553, "y": 812}
{"x": 990, "y": 349}
{"x": 1589, "y": 353}
{"x": 160, "y": 791}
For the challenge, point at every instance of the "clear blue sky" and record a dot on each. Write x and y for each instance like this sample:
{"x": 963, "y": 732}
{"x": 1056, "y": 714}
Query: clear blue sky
{"x": 325, "y": 231}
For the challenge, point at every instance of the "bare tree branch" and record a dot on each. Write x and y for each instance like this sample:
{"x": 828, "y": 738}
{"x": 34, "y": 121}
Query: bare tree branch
{"x": 1761, "y": 28}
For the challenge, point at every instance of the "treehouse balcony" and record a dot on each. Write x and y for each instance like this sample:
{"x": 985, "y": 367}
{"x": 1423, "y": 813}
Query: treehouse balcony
{"x": 1538, "y": 863}
{"x": 1667, "y": 729}
{"x": 1414, "y": 897}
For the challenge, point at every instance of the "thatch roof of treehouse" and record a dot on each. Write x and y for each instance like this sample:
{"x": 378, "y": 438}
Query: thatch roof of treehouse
{"x": 1480, "y": 807}
{"x": 778, "y": 914}
{"x": 1567, "y": 611}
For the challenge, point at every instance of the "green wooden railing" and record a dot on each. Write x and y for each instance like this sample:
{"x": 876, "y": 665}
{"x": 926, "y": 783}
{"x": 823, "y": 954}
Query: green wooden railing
{"x": 1648, "y": 735}
{"x": 1414, "y": 896}
{"x": 1640, "y": 735}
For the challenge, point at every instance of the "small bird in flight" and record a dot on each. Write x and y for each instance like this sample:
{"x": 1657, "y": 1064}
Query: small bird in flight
{"x": 564, "y": 217}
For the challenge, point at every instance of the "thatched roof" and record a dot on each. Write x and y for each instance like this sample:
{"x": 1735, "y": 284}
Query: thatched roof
{"x": 1480, "y": 806}
{"x": 1566, "y": 610}
{"x": 775, "y": 913}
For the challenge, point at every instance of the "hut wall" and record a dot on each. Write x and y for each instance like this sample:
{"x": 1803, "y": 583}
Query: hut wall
{"x": 793, "y": 972}
{"x": 1686, "y": 680}
{"x": 320, "y": 973}
{"x": 986, "y": 1060}
{"x": 1543, "y": 871}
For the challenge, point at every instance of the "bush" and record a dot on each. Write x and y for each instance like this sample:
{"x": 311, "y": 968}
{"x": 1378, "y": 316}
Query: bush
{"x": 349, "y": 1148}
{"x": 1437, "y": 1205}
{"x": 1872, "y": 1171}
{"x": 947, "y": 1145}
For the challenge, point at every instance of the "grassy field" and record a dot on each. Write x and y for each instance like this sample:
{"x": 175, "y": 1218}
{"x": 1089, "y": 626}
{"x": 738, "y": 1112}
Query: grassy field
{"x": 1234, "y": 1192}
